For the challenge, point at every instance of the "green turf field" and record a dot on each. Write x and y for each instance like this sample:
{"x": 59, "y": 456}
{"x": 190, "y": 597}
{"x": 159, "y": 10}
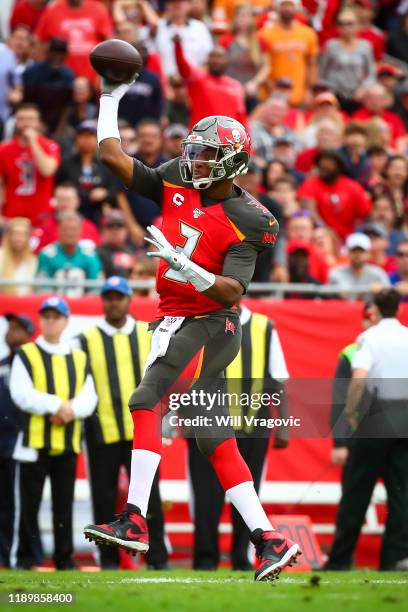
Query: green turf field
{"x": 181, "y": 590}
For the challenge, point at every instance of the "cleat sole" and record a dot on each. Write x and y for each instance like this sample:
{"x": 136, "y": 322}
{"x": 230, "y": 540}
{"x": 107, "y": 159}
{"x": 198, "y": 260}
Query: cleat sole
{"x": 272, "y": 572}
{"x": 106, "y": 540}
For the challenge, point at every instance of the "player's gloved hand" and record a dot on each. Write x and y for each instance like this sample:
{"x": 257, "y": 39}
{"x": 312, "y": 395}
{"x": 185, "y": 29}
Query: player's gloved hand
{"x": 115, "y": 90}
{"x": 201, "y": 279}
{"x": 175, "y": 259}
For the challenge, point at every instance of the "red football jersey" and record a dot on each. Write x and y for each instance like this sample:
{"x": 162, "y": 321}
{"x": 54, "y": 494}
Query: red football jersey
{"x": 82, "y": 26}
{"x": 340, "y": 204}
{"x": 223, "y": 237}
{"x": 28, "y": 193}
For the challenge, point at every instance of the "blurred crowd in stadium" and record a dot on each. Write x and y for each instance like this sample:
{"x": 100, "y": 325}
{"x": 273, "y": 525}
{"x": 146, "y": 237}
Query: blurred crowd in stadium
{"x": 322, "y": 86}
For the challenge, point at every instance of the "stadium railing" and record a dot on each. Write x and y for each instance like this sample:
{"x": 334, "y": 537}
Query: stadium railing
{"x": 276, "y": 290}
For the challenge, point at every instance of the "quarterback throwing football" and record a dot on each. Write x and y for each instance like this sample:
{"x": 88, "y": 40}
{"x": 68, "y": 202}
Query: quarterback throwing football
{"x": 207, "y": 247}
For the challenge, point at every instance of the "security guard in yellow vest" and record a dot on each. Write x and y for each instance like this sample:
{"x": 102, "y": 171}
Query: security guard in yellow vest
{"x": 260, "y": 363}
{"x": 50, "y": 383}
{"x": 117, "y": 348}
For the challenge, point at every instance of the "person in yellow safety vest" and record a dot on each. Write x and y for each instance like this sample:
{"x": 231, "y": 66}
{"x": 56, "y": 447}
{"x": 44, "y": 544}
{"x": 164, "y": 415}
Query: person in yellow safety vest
{"x": 51, "y": 385}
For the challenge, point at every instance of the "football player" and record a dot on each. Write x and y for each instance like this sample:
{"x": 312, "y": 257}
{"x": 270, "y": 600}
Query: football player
{"x": 211, "y": 234}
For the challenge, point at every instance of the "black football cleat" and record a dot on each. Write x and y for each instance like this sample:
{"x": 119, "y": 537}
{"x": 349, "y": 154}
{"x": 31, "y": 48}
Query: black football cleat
{"x": 127, "y": 531}
{"x": 275, "y": 552}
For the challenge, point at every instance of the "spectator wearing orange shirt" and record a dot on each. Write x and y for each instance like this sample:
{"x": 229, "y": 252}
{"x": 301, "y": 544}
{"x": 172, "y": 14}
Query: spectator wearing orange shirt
{"x": 223, "y": 10}
{"x": 83, "y": 23}
{"x": 211, "y": 92}
{"x": 292, "y": 48}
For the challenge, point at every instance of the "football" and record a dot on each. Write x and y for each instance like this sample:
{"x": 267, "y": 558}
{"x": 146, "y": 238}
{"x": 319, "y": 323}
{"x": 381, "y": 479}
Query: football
{"x": 116, "y": 60}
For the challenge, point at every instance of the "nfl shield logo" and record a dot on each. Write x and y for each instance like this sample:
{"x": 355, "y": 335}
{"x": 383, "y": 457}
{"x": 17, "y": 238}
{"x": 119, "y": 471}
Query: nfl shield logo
{"x": 197, "y": 213}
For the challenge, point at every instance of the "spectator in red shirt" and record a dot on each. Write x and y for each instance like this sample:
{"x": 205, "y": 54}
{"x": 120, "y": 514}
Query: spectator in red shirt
{"x": 328, "y": 136}
{"x": 28, "y": 163}
{"x": 366, "y": 12}
{"x": 83, "y": 23}
{"x": 66, "y": 199}
{"x": 211, "y": 92}
{"x": 375, "y": 102}
{"x": 300, "y": 227}
{"x": 333, "y": 198}
{"x": 299, "y": 254}
{"x": 28, "y": 13}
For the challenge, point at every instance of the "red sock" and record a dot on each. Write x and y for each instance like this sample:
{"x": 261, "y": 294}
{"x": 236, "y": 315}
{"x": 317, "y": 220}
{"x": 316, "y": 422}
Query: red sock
{"x": 147, "y": 430}
{"x": 229, "y": 465}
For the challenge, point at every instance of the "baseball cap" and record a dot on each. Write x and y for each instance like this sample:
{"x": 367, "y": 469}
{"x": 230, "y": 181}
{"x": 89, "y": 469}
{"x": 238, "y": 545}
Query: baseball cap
{"x": 298, "y": 245}
{"x": 24, "y": 320}
{"x": 358, "y": 240}
{"x": 368, "y": 4}
{"x": 118, "y": 284}
{"x": 114, "y": 218}
{"x": 175, "y": 130}
{"x": 389, "y": 70}
{"x": 55, "y": 303}
{"x": 375, "y": 229}
{"x": 86, "y": 126}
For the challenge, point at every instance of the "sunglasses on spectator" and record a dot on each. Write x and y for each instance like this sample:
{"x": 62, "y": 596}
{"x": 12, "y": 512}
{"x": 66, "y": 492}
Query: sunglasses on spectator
{"x": 402, "y": 253}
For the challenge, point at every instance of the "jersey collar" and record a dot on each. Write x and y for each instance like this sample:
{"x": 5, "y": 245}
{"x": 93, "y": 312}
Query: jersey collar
{"x": 127, "y": 328}
{"x": 62, "y": 348}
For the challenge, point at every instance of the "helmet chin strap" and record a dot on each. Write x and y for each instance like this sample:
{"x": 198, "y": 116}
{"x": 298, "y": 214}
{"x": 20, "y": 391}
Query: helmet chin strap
{"x": 202, "y": 184}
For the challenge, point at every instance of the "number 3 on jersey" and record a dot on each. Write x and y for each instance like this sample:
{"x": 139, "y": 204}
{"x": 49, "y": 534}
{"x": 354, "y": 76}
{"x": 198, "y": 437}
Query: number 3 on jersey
{"x": 192, "y": 236}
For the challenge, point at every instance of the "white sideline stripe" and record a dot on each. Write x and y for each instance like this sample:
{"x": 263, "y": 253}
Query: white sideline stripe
{"x": 289, "y": 492}
{"x": 361, "y": 581}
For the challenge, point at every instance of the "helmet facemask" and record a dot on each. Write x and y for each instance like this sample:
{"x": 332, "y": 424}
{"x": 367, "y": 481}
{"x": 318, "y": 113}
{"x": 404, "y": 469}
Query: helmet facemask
{"x": 203, "y": 163}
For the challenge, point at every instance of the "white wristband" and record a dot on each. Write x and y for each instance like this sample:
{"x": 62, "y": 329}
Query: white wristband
{"x": 200, "y": 278}
{"x": 108, "y": 118}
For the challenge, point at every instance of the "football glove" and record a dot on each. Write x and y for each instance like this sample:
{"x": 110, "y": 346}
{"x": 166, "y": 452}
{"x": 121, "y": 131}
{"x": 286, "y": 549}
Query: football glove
{"x": 177, "y": 260}
{"x": 116, "y": 90}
